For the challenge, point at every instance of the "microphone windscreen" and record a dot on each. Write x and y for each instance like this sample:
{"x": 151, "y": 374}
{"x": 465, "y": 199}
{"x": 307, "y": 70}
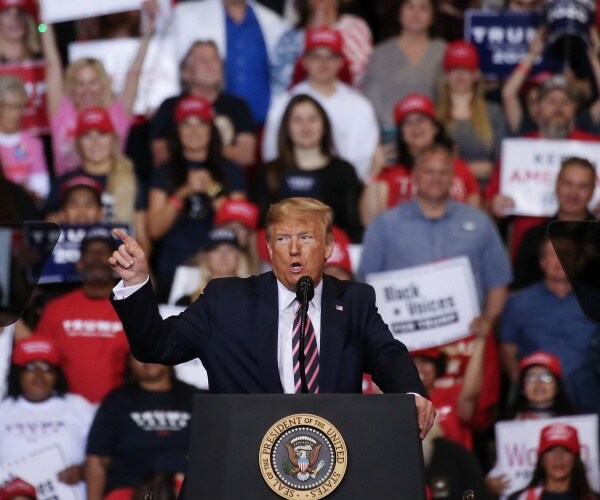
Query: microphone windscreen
{"x": 305, "y": 289}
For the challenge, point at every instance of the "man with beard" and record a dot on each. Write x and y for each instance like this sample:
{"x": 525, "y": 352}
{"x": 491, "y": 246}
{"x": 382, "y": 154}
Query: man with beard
{"x": 557, "y": 108}
{"x": 92, "y": 345}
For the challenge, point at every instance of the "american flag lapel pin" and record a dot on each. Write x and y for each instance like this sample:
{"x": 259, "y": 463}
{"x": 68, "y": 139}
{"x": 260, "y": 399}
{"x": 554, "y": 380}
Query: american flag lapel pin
{"x": 339, "y": 308}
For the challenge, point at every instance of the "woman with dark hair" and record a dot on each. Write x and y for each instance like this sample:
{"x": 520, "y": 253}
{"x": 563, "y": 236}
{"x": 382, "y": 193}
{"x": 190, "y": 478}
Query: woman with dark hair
{"x": 186, "y": 192}
{"x": 417, "y": 130}
{"x": 38, "y": 398}
{"x": 559, "y": 471}
{"x": 141, "y": 429}
{"x": 307, "y": 166}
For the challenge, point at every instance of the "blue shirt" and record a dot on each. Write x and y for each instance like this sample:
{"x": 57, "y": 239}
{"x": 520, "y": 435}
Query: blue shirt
{"x": 403, "y": 237}
{"x": 247, "y": 64}
{"x": 535, "y": 319}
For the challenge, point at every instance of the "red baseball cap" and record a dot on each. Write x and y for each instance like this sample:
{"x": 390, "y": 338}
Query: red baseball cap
{"x": 28, "y": 6}
{"x": 94, "y": 119}
{"x": 432, "y": 353}
{"x": 461, "y": 54}
{"x": 413, "y": 103}
{"x": 324, "y": 37}
{"x": 549, "y": 361}
{"x": 559, "y": 434}
{"x": 242, "y": 211}
{"x": 194, "y": 106}
{"x": 17, "y": 487}
{"x": 80, "y": 181}
{"x": 340, "y": 256}
{"x": 36, "y": 348}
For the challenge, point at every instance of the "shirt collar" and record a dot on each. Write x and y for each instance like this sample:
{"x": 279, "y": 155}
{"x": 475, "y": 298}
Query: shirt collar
{"x": 415, "y": 209}
{"x": 285, "y": 297}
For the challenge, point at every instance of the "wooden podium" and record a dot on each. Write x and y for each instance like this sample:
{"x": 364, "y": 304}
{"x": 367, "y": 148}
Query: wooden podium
{"x": 340, "y": 446}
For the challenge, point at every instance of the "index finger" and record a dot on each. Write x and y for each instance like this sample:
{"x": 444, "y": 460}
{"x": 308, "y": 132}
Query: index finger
{"x": 122, "y": 235}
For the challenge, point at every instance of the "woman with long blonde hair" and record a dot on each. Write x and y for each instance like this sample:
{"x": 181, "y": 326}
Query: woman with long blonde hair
{"x": 19, "y": 39}
{"x": 476, "y": 126}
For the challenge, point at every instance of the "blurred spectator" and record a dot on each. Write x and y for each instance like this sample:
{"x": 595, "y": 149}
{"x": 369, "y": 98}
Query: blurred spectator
{"x": 451, "y": 17}
{"x": 81, "y": 201}
{"x": 17, "y": 204}
{"x": 589, "y": 119}
{"x": 123, "y": 198}
{"x": 407, "y": 63}
{"x": 575, "y": 185}
{"x": 185, "y": 192}
{"x": 354, "y": 127}
{"x": 356, "y": 35}
{"x": 201, "y": 74}
{"x": 141, "y": 429}
{"x": 525, "y": 5}
{"x": 476, "y": 126}
{"x": 339, "y": 264}
{"x": 220, "y": 258}
{"x": 307, "y": 165}
{"x": 17, "y": 489}
{"x": 417, "y": 130}
{"x": 39, "y": 412}
{"x": 86, "y": 85}
{"x": 245, "y": 33}
{"x": 546, "y": 317}
{"x": 19, "y": 38}
{"x": 242, "y": 217}
{"x": 559, "y": 471}
{"x": 89, "y": 336}
{"x": 402, "y": 236}
{"x": 21, "y": 154}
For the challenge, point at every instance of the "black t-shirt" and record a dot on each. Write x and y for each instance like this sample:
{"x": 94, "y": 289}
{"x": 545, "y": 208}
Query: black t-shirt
{"x": 336, "y": 184}
{"x": 234, "y": 108}
{"x": 143, "y": 432}
{"x": 546, "y": 495}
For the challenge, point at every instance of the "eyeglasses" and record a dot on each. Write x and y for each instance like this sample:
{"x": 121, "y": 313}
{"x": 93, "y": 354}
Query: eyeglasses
{"x": 38, "y": 366}
{"x": 546, "y": 378}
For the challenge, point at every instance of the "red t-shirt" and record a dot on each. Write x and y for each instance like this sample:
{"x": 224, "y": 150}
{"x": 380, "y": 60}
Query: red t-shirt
{"x": 444, "y": 400}
{"x": 92, "y": 345}
{"x": 398, "y": 179}
{"x": 521, "y": 223}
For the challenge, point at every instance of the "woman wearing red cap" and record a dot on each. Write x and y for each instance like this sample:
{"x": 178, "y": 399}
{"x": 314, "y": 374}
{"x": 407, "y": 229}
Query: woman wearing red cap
{"x": 19, "y": 39}
{"x": 85, "y": 84}
{"x": 39, "y": 413}
{"x": 559, "y": 473}
{"x": 417, "y": 130}
{"x": 186, "y": 192}
{"x": 476, "y": 126}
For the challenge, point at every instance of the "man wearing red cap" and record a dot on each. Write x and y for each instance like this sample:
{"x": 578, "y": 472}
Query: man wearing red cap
{"x": 353, "y": 121}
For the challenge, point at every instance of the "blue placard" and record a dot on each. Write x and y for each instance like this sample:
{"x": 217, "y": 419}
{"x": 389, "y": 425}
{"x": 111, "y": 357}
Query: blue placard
{"x": 502, "y": 39}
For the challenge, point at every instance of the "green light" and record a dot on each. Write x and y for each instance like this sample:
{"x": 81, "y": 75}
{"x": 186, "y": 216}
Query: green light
{"x": 42, "y": 28}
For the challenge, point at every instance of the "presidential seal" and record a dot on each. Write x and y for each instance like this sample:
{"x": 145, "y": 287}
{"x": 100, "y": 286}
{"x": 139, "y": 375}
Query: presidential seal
{"x": 303, "y": 456}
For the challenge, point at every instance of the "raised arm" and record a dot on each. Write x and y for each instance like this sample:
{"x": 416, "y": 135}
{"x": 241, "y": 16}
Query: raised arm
{"x": 54, "y": 72}
{"x": 129, "y": 93}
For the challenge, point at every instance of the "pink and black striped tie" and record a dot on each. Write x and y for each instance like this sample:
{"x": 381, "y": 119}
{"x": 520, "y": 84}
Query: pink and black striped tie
{"x": 311, "y": 354}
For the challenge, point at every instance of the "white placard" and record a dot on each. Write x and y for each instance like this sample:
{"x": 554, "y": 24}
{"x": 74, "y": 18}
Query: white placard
{"x": 55, "y": 11}
{"x": 517, "y": 443}
{"x": 529, "y": 169}
{"x": 160, "y": 72}
{"x": 429, "y": 305}
{"x": 40, "y": 469}
{"x": 191, "y": 372}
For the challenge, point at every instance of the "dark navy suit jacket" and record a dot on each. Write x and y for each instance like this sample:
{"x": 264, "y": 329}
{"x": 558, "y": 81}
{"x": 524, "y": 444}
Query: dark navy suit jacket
{"x": 232, "y": 328}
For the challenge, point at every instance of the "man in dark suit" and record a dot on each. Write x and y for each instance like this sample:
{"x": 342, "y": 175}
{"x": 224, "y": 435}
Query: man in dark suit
{"x": 245, "y": 330}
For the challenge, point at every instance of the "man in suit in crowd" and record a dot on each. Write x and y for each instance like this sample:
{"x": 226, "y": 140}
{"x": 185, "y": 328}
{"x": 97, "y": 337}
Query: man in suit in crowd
{"x": 245, "y": 330}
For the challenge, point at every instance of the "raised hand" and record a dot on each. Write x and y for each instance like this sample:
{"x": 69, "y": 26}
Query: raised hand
{"x": 129, "y": 260}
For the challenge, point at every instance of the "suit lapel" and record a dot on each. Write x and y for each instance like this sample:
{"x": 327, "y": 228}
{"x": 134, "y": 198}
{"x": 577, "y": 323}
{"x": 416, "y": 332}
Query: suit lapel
{"x": 266, "y": 325}
{"x": 332, "y": 335}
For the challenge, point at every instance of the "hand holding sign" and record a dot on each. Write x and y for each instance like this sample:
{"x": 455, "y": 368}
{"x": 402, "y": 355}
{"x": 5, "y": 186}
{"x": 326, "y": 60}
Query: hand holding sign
{"x": 129, "y": 260}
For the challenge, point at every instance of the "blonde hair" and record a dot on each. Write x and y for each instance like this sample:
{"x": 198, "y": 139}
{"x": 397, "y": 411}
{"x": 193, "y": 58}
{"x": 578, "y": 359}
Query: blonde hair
{"x": 84, "y": 62}
{"x": 11, "y": 84}
{"x": 121, "y": 184}
{"x": 240, "y": 272}
{"x": 479, "y": 115}
{"x": 32, "y": 38}
{"x": 299, "y": 209}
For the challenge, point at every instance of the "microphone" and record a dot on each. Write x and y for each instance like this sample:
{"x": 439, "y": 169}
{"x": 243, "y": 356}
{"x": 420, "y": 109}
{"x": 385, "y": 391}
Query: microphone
{"x": 305, "y": 291}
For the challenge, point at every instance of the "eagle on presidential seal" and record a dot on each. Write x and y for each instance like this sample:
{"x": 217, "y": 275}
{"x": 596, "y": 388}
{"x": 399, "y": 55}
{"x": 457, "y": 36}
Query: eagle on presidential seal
{"x": 303, "y": 453}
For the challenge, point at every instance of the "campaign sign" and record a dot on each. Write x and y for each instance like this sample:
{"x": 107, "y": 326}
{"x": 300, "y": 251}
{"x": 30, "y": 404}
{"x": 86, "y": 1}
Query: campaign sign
{"x": 160, "y": 73}
{"x": 60, "y": 266}
{"x": 429, "y": 305}
{"x": 502, "y": 39}
{"x": 56, "y": 11}
{"x": 517, "y": 443}
{"x": 529, "y": 169}
{"x": 33, "y": 74}
{"x": 40, "y": 470}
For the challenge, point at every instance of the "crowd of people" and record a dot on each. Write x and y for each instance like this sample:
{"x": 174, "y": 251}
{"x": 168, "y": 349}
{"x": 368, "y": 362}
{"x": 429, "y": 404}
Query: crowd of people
{"x": 382, "y": 114}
